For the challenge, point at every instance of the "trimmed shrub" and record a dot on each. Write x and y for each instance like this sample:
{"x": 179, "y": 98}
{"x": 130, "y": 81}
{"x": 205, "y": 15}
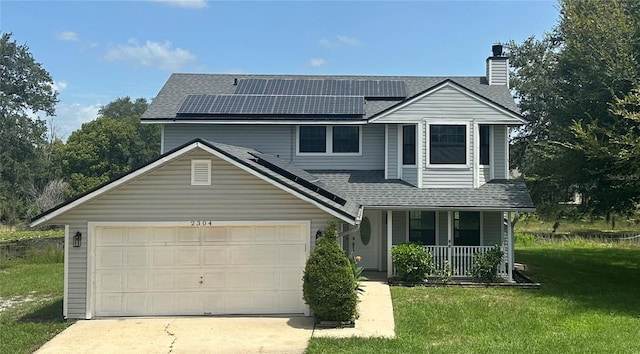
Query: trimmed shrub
{"x": 485, "y": 265}
{"x": 412, "y": 262}
{"x": 329, "y": 287}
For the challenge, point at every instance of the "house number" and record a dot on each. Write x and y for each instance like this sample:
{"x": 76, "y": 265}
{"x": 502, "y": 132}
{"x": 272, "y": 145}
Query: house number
{"x": 201, "y": 222}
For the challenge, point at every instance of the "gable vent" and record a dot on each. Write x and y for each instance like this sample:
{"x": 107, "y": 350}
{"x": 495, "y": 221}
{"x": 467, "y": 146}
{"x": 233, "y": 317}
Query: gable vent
{"x": 200, "y": 172}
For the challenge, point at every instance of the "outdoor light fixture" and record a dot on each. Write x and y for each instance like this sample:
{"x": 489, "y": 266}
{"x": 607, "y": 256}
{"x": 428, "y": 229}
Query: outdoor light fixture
{"x": 318, "y": 234}
{"x": 77, "y": 238}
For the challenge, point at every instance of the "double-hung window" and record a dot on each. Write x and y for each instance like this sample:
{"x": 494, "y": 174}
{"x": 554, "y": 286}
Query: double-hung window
{"x": 337, "y": 139}
{"x": 408, "y": 145}
{"x": 447, "y": 144}
{"x": 422, "y": 227}
{"x": 466, "y": 228}
{"x": 484, "y": 144}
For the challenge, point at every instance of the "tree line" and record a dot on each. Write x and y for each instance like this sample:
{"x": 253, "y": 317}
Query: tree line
{"x": 578, "y": 87}
{"x": 37, "y": 169}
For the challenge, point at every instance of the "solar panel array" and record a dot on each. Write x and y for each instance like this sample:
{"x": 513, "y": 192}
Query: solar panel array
{"x": 241, "y": 104}
{"x": 323, "y": 87}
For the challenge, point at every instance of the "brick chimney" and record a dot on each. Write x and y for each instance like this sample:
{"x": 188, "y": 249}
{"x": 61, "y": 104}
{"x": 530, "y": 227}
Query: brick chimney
{"x": 498, "y": 67}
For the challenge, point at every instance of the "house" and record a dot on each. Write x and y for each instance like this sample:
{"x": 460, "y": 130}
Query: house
{"x": 254, "y": 166}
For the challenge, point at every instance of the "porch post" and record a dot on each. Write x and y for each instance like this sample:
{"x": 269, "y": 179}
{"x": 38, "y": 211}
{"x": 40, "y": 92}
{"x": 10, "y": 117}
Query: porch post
{"x": 389, "y": 243}
{"x": 449, "y": 236}
{"x": 509, "y": 247}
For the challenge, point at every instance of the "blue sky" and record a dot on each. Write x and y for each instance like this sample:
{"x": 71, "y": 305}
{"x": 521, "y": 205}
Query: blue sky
{"x": 97, "y": 51}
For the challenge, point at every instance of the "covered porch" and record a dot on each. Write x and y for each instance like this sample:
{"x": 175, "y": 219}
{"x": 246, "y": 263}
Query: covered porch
{"x": 452, "y": 237}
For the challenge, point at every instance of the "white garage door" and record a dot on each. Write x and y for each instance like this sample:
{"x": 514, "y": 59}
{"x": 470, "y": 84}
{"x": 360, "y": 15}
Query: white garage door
{"x": 146, "y": 271}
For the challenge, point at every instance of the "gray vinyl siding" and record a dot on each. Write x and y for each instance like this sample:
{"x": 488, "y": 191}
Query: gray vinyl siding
{"x": 499, "y": 154}
{"x": 392, "y": 144}
{"x": 410, "y": 175}
{"x": 491, "y": 228}
{"x": 280, "y": 141}
{"x": 166, "y": 194}
{"x": 399, "y": 227}
{"x": 443, "y": 229}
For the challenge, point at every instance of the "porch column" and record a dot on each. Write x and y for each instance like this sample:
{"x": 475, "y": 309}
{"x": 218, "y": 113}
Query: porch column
{"x": 449, "y": 236}
{"x": 389, "y": 243}
{"x": 509, "y": 247}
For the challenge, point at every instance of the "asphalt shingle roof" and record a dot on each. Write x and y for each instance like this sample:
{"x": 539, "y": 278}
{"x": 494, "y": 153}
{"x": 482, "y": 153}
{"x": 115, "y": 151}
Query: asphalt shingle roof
{"x": 165, "y": 105}
{"x": 370, "y": 189}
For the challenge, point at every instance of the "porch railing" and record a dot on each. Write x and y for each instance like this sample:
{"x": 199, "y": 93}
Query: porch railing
{"x": 461, "y": 259}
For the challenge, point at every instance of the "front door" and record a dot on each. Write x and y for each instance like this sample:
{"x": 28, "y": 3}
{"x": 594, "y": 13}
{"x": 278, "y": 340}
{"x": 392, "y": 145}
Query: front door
{"x": 366, "y": 241}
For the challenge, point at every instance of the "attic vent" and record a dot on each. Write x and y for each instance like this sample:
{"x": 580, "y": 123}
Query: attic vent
{"x": 200, "y": 172}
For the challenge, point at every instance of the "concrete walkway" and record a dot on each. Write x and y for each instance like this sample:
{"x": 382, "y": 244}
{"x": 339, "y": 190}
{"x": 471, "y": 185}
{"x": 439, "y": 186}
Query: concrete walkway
{"x": 376, "y": 315}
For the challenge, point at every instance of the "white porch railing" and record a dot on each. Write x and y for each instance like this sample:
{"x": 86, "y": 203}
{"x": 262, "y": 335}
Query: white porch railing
{"x": 461, "y": 259}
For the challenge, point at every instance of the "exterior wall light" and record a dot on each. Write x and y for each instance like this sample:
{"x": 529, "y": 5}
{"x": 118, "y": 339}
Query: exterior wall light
{"x": 77, "y": 239}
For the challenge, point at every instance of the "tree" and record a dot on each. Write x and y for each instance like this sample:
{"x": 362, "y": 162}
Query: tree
{"x": 26, "y": 88}
{"x": 109, "y": 146}
{"x": 566, "y": 84}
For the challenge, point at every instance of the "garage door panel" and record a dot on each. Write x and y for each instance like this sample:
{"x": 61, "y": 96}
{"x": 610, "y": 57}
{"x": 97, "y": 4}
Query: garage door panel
{"x": 163, "y": 257}
{"x": 145, "y": 271}
{"x": 136, "y": 281}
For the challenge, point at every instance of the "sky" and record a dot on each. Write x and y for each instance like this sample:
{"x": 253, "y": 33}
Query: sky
{"x": 97, "y": 51}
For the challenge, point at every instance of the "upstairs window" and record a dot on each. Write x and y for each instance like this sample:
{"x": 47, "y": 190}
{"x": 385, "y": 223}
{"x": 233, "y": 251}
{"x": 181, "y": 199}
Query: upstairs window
{"x": 313, "y": 139}
{"x": 408, "y": 144}
{"x": 338, "y": 139}
{"x": 346, "y": 139}
{"x": 448, "y": 144}
{"x": 484, "y": 145}
{"x": 422, "y": 227}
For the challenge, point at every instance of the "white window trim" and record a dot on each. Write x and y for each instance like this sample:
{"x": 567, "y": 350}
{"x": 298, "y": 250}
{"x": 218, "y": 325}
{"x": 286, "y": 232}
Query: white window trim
{"x": 469, "y": 142}
{"x": 401, "y": 145}
{"x": 329, "y": 143}
{"x": 200, "y": 183}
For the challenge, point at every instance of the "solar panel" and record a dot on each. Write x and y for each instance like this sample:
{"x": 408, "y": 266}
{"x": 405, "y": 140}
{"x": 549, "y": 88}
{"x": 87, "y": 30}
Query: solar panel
{"x": 323, "y": 87}
{"x": 239, "y": 104}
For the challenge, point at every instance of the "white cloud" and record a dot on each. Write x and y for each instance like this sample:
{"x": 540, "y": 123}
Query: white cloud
{"x": 58, "y": 86}
{"x": 189, "y": 4}
{"x": 341, "y": 40}
{"x": 152, "y": 54}
{"x": 350, "y": 41}
{"x": 317, "y": 62}
{"x": 70, "y": 116}
{"x": 67, "y": 36}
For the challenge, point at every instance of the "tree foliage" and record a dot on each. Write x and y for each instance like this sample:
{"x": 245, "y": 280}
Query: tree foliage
{"x": 570, "y": 86}
{"x": 26, "y": 89}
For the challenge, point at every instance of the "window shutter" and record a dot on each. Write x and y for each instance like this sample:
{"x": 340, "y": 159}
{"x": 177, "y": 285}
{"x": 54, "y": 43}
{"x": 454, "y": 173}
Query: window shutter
{"x": 201, "y": 172}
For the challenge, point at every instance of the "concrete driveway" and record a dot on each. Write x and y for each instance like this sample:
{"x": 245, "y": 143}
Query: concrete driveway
{"x": 185, "y": 335}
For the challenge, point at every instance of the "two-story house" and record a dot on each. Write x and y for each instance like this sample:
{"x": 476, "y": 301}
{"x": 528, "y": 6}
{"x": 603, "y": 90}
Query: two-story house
{"x": 254, "y": 166}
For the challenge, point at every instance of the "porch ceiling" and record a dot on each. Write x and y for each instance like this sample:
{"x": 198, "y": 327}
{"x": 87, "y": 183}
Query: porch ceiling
{"x": 369, "y": 188}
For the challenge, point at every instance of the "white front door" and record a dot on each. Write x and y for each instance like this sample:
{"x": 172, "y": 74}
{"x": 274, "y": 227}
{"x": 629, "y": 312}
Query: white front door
{"x": 366, "y": 241}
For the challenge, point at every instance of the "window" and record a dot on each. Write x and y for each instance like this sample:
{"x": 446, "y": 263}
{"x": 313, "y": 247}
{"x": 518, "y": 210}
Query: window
{"x": 466, "y": 228}
{"x": 313, "y": 139}
{"x": 422, "y": 227}
{"x": 408, "y": 144}
{"x": 484, "y": 144}
{"x": 200, "y": 172}
{"x": 339, "y": 139}
{"x": 346, "y": 139}
{"x": 448, "y": 144}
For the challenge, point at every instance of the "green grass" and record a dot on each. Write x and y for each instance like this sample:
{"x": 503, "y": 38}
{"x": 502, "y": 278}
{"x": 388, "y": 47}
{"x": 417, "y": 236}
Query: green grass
{"x": 37, "y": 315}
{"x": 7, "y": 235}
{"x": 588, "y": 303}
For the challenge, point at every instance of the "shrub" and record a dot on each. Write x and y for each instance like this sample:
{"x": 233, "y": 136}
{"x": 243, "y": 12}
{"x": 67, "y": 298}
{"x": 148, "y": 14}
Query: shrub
{"x": 524, "y": 239}
{"x": 412, "y": 262}
{"x": 329, "y": 287}
{"x": 485, "y": 265}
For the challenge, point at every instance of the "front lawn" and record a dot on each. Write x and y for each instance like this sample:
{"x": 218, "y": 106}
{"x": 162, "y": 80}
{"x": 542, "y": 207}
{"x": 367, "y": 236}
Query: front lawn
{"x": 30, "y": 304}
{"x": 589, "y": 303}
